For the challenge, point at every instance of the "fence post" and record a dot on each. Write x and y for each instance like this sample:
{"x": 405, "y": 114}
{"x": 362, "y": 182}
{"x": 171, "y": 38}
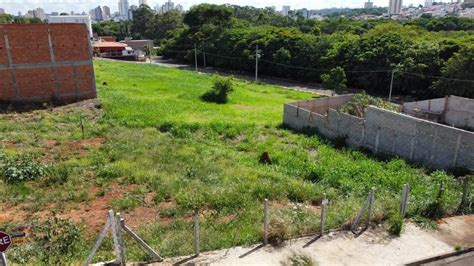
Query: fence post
{"x": 197, "y": 233}
{"x": 195, "y": 58}
{"x": 114, "y": 225}
{"x": 391, "y": 87}
{"x": 3, "y": 259}
{"x": 120, "y": 222}
{"x": 371, "y": 203}
{"x": 404, "y": 200}
{"x": 465, "y": 191}
{"x": 256, "y": 63}
{"x": 323, "y": 213}
{"x": 265, "y": 222}
{"x": 98, "y": 241}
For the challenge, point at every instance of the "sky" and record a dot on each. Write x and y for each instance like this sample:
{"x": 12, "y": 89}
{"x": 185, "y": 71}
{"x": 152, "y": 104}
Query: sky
{"x": 13, "y": 6}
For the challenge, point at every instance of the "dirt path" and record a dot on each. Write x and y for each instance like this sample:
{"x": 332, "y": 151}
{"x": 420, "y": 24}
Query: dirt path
{"x": 374, "y": 247}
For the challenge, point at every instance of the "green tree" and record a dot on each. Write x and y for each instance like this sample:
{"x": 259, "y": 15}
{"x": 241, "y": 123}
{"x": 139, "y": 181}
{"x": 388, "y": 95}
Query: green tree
{"x": 460, "y": 66}
{"x": 335, "y": 79}
{"x": 167, "y": 25}
{"x": 6, "y": 18}
{"x": 142, "y": 24}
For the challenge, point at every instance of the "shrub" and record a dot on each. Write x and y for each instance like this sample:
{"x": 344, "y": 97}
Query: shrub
{"x": 220, "y": 91}
{"x": 357, "y": 106}
{"x": 300, "y": 260}
{"x": 56, "y": 175}
{"x": 335, "y": 79}
{"x": 395, "y": 223}
{"x": 277, "y": 233}
{"x": 20, "y": 168}
{"x": 56, "y": 238}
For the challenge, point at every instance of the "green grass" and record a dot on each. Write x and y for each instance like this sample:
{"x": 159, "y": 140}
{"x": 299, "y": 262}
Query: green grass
{"x": 169, "y": 151}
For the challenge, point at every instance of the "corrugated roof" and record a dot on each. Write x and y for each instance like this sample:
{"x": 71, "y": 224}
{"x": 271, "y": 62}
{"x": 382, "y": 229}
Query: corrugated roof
{"x": 108, "y": 44}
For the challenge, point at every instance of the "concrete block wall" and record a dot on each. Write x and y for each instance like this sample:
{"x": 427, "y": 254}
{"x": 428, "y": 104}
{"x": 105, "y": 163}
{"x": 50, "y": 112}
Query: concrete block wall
{"x": 45, "y": 62}
{"x": 381, "y": 131}
{"x": 459, "y": 112}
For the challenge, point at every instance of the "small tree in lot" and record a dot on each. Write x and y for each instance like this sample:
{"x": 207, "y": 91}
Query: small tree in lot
{"x": 220, "y": 91}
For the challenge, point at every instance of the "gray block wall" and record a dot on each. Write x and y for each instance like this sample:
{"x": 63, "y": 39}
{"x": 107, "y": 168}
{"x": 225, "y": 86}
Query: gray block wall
{"x": 417, "y": 140}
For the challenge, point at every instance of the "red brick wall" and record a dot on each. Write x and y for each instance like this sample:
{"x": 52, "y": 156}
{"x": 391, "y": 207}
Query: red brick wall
{"x": 34, "y": 71}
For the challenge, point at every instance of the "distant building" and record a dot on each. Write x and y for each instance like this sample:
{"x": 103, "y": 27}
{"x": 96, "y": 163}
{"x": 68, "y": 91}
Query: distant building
{"x": 130, "y": 11}
{"x": 285, "y": 10}
{"x": 2, "y": 11}
{"x": 73, "y": 19}
{"x": 98, "y": 14}
{"x": 394, "y": 7}
{"x": 142, "y": 2}
{"x": 304, "y": 12}
{"x": 106, "y": 12}
{"x": 123, "y": 9}
{"x": 39, "y": 13}
{"x": 368, "y": 5}
{"x": 168, "y": 6}
{"x": 54, "y": 14}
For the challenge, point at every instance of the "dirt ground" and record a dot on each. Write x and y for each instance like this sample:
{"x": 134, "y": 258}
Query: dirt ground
{"x": 373, "y": 247}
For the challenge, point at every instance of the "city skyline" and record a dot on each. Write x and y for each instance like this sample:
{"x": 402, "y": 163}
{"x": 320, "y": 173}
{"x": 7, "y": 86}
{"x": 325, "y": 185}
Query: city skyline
{"x": 13, "y": 6}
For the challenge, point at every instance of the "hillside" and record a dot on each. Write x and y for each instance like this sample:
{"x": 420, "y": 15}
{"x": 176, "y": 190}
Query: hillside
{"x": 154, "y": 151}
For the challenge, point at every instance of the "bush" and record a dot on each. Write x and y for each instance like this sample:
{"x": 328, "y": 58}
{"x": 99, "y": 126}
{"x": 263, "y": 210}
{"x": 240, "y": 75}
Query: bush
{"x": 56, "y": 238}
{"x": 357, "y": 106}
{"x": 395, "y": 223}
{"x": 20, "y": 168}
{"x": 335, "y": 80}
{"x": 220, "y": 91}
{"x": 277, "y": 233}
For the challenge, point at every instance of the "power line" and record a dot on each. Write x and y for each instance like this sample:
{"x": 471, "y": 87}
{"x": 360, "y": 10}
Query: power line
{"x": 436, "y": 77}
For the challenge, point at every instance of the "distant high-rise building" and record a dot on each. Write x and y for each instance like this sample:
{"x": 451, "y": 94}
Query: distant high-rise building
{"x": 92, "y": 14}
{"x": 123, "y": 9}
{"x": 167, "y": 6}
{"x": 20, "y": 14}
{"x": 36, "y": 13}
{"x": 130, "y": 11}
{"x": 98, "y": 14}
{"x": 285, "y": 10}
{"x": 106, "y": 12}
{"x": 394, "y": 7}
{"x": 142, "y": 2}
{"x": 179, "y": 8}
{"x": 368, "y": 5}
{"x": 2, "y": 11}
{"x": 428, "y": 3}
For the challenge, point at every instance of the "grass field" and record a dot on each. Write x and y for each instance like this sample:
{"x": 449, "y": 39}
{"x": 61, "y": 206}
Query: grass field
{"x": 154, "y": 151}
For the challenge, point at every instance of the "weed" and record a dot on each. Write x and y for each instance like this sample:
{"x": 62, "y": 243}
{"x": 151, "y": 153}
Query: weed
{"x": 300, "y": 260}
{"x": 425, "y": 222}
{"x": 395, "y": 223}
{"x": 125, "y": 203}
{"x": 20, "y": 168}
{"x": 277, "y": 233}
{"x": 220, "y": 91}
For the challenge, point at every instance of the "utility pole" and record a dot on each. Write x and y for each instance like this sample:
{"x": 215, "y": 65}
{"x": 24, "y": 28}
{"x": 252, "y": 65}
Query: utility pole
{"x": 391, "y": 87}
{"x": 256, "y": 63}
{"x": 204, "y": 57}
{"x": 195, "y": 58}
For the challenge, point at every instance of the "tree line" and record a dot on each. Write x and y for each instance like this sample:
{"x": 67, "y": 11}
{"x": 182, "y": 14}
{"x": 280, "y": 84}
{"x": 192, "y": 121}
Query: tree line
{"x": 367, "y": 51}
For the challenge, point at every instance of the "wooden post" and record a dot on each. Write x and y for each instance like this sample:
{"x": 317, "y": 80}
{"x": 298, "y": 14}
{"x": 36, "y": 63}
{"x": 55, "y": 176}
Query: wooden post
{"x": 391, "y": 87}
{"x": 404, "y": 200}
{"x": 3, "y": 259}
{"x": 197, "y": 233}
{"x": 113, "y": 224}
{"x": 371, "y": 203}
{"x": 82, "y": 128}
{"x": 265, "y": 222}
{"x": 323, "y": 213}
{"x": 141, "y": 242}
{"x": 120, "y": 222}
{"x": 195, "y": 58}
{"x": 465, "y": 191}
{"x": 98, "y": 242}
{"x": 256, "y": 63}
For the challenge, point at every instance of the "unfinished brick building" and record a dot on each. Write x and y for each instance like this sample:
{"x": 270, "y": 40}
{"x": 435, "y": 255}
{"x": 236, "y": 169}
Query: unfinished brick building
{"x": 42, "y": 63}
